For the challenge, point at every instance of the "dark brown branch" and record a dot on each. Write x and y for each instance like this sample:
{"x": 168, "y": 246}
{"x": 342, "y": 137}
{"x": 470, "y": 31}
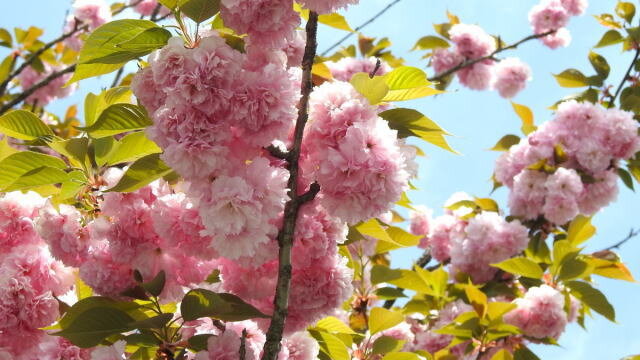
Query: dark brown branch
{"x": 277, "y": 152}
{"x": 125, "y": 7}
{"x": 624, "y": 79}
{"x": 374, "y": 18}
{"x": 470, "y": 62}
{"x": 116, "y": 79}
{"x": 44, "y": 82}
{"x": 285, "y": 235}
{"x": 422, "y": 262}
{"x": 632, "y": 233}
{"x": 27, "y": 62}
{"x": 243, "y": 345}
{"x": 156, "y": 11}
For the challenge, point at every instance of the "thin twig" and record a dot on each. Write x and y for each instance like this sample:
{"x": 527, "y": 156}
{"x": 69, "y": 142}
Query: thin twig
{"x": 285, "y": 235}
{"x": 374, "y": 18}
{"x": 124, "y": 7}
{"x": 243, "y": 345}
{"x": 155, "y": 13}
{"x": 44, "y": 82}
{"x": 470, "y": 62}
{"x": 277, "y": 152}
{"x": 632, "y": 233}
{"x": 116, "y": 79}
{"x": 624, "y": 79}
{"x": 422, "y": 262}
{"x": 28, "y": 61}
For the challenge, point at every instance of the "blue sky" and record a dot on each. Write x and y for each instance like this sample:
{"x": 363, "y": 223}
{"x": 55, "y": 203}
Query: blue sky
{"x": 478, "y": 120}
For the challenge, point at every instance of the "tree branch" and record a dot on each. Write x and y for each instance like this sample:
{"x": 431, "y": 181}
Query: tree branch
{"x": 374, "y": 18}
{"x": 624, "y": 79}
{"x": 37, "y": 53}
{"x": 632, "y": 233}
{"x": 470, "y": 62}
{"x": 44, "y": 82}
{"x": 422, "y": 262}
{"x": 243, "y": 345}
{"x": 285, "y": 235}
{"x": 116, "y": 79}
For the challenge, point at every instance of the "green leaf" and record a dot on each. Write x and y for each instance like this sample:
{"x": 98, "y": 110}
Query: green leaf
{"x": 171, "y": 4}
{"x": 147, "y": 41}
{"x": 521, "y": 266}
{"x": 505, "y": 143}
{"x": 199, "y": 342}
{"x": 382, "y": 273}
{"x": 5, "y": 38}
{"x": 333, "y": 325}
{"x": 94, "y": 104}
{"x": 142, "y": 172}
{"x": 387, "y": 293}
{"x": 156, "y": 285}
{"x": 573, "y": 269}
{"x": 156, "y": 322}
{"x": 20, "y": 163}
{"x": 131, "y": 148}
{"x": 592, "y": 297}
{"x": 200, "y": 303}
{"x": 199, "y": 10}
{"x": 92, "y": 326}
{"x": 23, "y": 125}
{"x": 401, "y": 356}
{"x": 580, "y": 230}
{"x": 502, "y": 354}
{"x": 101, "y": 54}
{"x": 626, "y": 10}
{"x": 407, "y": 83}
{"x": 118, "y": 118}
{"x": 37, "y": 177}
{"x": 374, "y": 89}
{"x": 523, "y": 353}
{"x": 336, "y": 21}
{"x": 626, "y": 178}
{"x": 373, "y": 228}
{"x": 611, "y": 37}
{"x": 410, "y": 122}
{"x": 102, "y": 149}
{"x": 386, "y": 344}
{"x": 477, "y": 298}
{"x": 400, "y": 239}
{"x": 496, "y": 309}
{"x": 6, "y": 67}
{"x": 331, "y": 345}
{"x": 430, "y": 42}
{"x": 75, "y": 150}
{"x": 382, "y": 319}
{"x": 571, "y": 78}
{"x": 600, "y": 64}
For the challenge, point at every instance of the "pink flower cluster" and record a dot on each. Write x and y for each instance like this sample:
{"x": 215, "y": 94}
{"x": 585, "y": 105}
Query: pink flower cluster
{"x": 327, "y": 6}
{"x": 473, "y": 244}
{"x": 213, "y": 114}
{"x": 321, "y": 280}
{"x": 225, "y": 344}
{"x": 553, "y": 16}
{"x": 147, "y": 7}
{"x": 149, "y": 230}
{"x": 52, "y": 91}
{"x": 540, "y": 313}
{"x": 345, "y": 68}
{"x": 353, "y": 154}
{"x": 581, "y": 149}
{"x": 30, "y": 279}
{"x": 425, "y": 337}
{"x": 92, "y": 13}
{"x": 508, "y": 76}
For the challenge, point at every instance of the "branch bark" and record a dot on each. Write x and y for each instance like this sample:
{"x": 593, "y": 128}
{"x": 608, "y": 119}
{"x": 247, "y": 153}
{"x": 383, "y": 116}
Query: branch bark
{"x": 44, "y": 82}
{"x": 624, "y": 79}
{"x": 632, "y": 233}
{"x": 374, "y": 18}
{"x": 471, "y": 62}
{"x": 292, "y": 207}
{"x": 36, "y": 54}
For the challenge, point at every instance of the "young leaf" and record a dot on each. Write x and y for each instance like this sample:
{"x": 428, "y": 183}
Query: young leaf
{"x": 526, "y": 115}
{"x": 18, "y": 164}
{"x": 386, "y": 344}
{"x": 131, "y": 148}
{"x": 199, "y": 10}
{"x": 611, "y": 37}
{"x": 333, "y": 325}
{"x": 118, "y": 118}
{"x": 156, "y": 285}
{"x": 505, "y": 143}
{"x": 330, "y": 345}
{"x": 382, "y": 319}
{"x": 23, "y": 125}
{"x": 503, "y": 354}
{"x": 430, "y": 42}
{"x": 199, "y": 342}
{"x": 477, "y": 298}
{"x": 626, "y": 178}
{"x": 401, "y": 356}
{"x": 410, "y": 122}
{"x": 571, "y": 78}
{"x": 43, "y": 175}
{"x": 580, "y": 230}
{"x": 521, "y": 266}
{"x": 336, "y": 21}
{"x": 600, "y": 64}
{"x": 374, "y": 89}
{"x": 147, "y": 41}
{"x": 407, "y": 83}
{"x": 142, "y": 172}
{"x": 156, "y": 322}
